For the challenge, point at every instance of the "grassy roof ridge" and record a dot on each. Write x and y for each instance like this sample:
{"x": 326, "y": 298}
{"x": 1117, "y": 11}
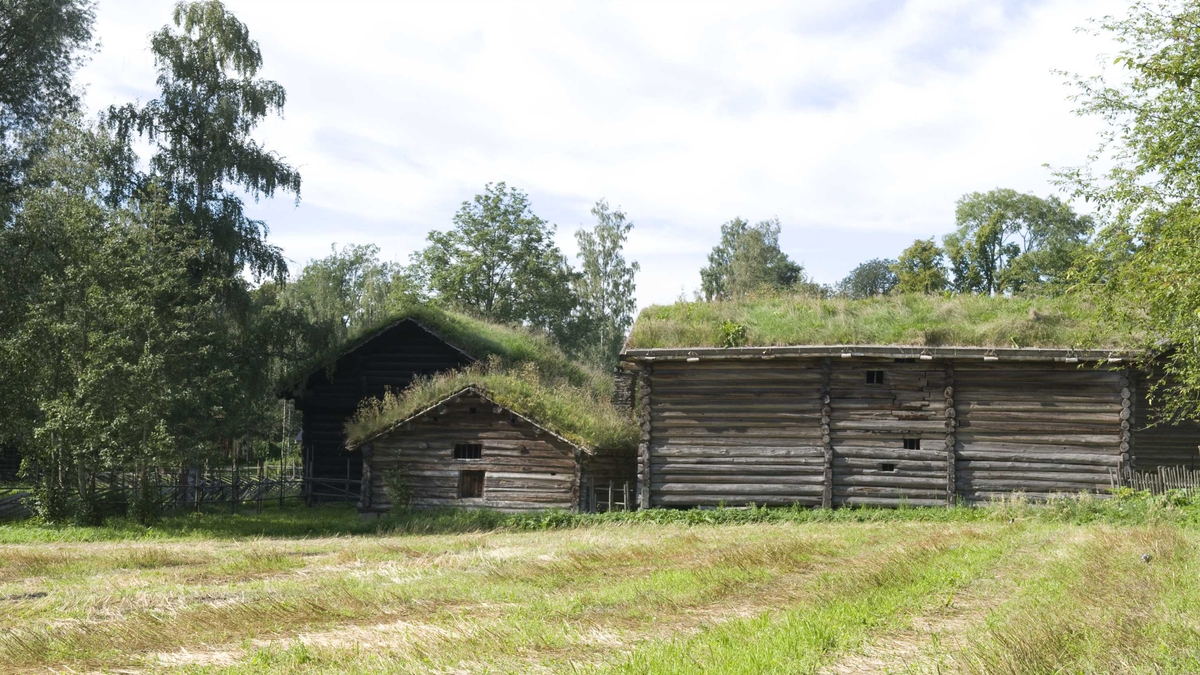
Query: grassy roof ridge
{"x": 476, "y": 337}
{"x": 1065, "y": 321}
{"x": 584, "y": 415}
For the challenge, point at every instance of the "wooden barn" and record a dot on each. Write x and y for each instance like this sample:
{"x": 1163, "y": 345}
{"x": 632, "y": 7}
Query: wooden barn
{"x": 329, "y": 393}
{"x": 884, "y": 424}
{"x": 468, "y": 450}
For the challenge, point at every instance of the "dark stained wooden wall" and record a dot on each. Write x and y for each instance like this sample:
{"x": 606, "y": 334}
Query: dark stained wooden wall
{"x": 526, "y": 467}
{"x": 1158, "y": 444}
{"x": 816, "y": 431}
{"x": 390, "y": 359}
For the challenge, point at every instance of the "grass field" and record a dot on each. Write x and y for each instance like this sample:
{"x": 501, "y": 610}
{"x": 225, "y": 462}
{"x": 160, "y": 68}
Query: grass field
{"x": 1082, "y": 586}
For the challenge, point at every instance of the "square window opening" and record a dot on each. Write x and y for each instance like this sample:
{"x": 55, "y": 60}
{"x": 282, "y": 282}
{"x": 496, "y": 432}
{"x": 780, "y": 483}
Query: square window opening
{"x": 912, "y": 444}
{"x": 874, "y": 377}
{"x": 471, "y": 410}
{"x": 468, "y": 450}
{"x": 887, "y": 467}
{"x": 470, "y": 484}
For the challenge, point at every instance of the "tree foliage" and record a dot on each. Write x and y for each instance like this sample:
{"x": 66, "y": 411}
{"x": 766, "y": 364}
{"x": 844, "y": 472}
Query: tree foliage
{"x": 201, "y": 128}
{"x": 874, "y": 277}
{"x": 1144, "y": 265}
{"x": 1008, "y": 242}
{"x": 748, "y": 260}
{"x": 500, "y": 263}
{"x": 348, "y": 289}
{"x": 605, "y": 285}
{"x": 42, "y": 43}
{"x": 921, "y": 268}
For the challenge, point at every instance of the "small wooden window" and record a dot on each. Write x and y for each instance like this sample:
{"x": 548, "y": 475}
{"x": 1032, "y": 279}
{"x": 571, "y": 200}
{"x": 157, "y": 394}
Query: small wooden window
{"x": 471, "y": 410}
{"x": 874, "y": 377}
{"x": 468, "y": 450}
{"x": 887, "y": 467}
{"x": 470, "y": 484}
{"x": 912, "y": 444}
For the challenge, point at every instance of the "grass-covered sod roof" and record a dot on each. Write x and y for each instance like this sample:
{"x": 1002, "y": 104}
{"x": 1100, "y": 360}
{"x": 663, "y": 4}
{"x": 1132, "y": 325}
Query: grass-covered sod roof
{"x": 583, "y": 415}
{"x": 478, "y": 338}
{"x": 918, "y": 320}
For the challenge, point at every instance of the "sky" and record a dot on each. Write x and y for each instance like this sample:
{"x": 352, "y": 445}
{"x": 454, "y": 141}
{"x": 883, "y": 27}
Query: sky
{"x": 857, "y": 124}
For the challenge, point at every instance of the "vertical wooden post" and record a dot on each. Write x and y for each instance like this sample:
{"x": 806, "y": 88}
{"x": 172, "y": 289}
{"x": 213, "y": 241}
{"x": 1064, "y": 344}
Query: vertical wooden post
{"x": 364, "y": 492}
{"x": 644, "y": 476}
{"x": 625, "y": 496}
{"x": 826, "y": 439}
{"x": 610, "y": 496}
{"x": 951, "y": 439}
{"x": 1128, "y": 458}
{"x": 233, "y": 484}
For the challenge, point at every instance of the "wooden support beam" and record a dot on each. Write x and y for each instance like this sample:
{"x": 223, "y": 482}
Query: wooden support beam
{"x": 951, "y": 422}
{"x": 643, "y": 476}
{"x": 1128, "y": 458}
{"x": 826, "y": 440}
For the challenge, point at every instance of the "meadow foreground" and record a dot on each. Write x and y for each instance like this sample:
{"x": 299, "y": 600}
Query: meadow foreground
{"x": 922, "y": 591}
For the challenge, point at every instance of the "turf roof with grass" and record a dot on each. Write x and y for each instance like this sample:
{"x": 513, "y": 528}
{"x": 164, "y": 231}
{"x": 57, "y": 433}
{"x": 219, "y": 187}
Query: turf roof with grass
{"x": 584, "y": 415}
{"x": 477, "y": 338}
{"x": 915, "y": 320}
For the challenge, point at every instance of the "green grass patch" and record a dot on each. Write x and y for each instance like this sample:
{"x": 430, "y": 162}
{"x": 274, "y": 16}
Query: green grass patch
{"x": 478, "y": 338}
{"x": 582, "y": 414}
{"x": 916, "y": 320}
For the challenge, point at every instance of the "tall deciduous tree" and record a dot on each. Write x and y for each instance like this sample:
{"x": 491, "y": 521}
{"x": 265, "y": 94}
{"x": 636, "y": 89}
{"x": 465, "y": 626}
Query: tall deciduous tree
{"x": 201, "y": 129}
{"x": 921, "y": 268}
{"x": 748, "y": 260}
{"x": 42, "y": 44}
{"x": 500, "y": 262}
{"x": 605, "y": 284}
{"x": 874, "y": 277}
{"x": 1007, "y": 241}
{"x": 1146, "y": 264}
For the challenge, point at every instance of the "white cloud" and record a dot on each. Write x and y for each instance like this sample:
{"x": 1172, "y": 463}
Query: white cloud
{"x": 857, "y": 126}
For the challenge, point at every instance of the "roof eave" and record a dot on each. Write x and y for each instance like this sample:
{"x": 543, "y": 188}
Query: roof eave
{"x": 1064, "y": 355}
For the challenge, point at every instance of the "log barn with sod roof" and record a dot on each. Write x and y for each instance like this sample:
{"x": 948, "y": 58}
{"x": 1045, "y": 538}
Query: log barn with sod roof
{"x": 471, "y": 450}
{"x": 419, "y": 341}
{"x": 912, "y": 400}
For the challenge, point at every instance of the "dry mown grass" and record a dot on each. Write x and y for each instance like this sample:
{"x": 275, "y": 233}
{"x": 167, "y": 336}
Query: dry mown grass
{"x": 971, "y": 597}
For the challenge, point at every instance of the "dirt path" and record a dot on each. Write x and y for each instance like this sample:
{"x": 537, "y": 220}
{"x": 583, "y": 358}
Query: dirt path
{"x": 947, "y": 625}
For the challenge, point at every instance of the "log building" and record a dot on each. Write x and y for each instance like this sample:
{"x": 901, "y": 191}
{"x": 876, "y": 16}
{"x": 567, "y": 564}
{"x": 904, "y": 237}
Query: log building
{"x": 329, "y": 394}
{"x": 467, "y": 450}
{"x": 886, "y": 425}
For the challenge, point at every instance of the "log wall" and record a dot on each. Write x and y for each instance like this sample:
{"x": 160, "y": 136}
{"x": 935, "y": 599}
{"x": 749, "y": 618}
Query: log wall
{"x": 1038, "y": 428}
{"x": 1158, "y": 444}
{"x": 734, "y": 432}
{"x": 872, "y": 421}
{"x": 821, "y": 431}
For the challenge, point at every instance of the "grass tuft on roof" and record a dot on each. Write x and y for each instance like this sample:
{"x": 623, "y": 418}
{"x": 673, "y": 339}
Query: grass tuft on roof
{"x": 479, "y": 338}
{"x": 583, "y": 415}
{"x": 914, "y": 320}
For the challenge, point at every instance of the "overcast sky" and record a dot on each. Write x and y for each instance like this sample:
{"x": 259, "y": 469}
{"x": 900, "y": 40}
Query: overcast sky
{"x": 858, "y": 126}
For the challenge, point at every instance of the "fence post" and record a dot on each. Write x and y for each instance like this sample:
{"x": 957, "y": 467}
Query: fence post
{"x": 233, "y": 487}
{"x": 625, "y": 497}
{"x": 610, "y": 496}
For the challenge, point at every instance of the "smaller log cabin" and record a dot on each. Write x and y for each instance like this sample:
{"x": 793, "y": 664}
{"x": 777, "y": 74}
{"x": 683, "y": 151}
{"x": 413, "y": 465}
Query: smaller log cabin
{"x": 467, "y": 450}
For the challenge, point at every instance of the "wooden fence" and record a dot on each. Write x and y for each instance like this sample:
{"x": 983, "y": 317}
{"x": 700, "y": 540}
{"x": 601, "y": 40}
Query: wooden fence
{"x": 241, "y": 488}
{"x": 1157, "y": 482}
{"x": 609, "y": 497}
